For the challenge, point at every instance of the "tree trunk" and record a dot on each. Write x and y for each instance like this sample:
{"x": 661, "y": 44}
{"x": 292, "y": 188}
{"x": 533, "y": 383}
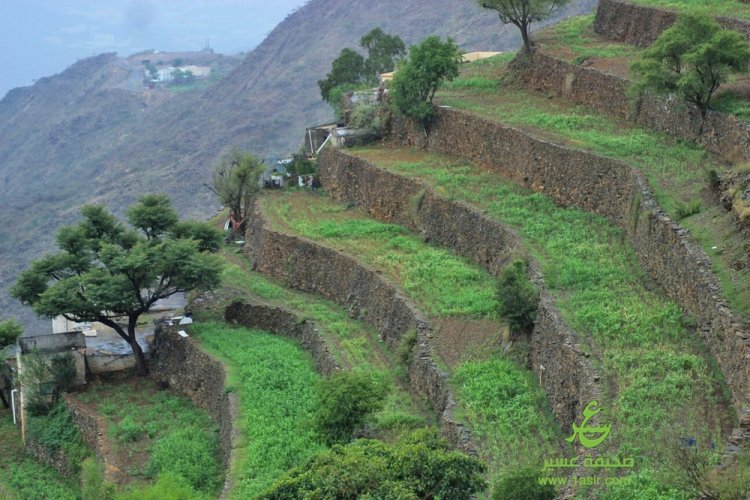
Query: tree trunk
{"x": 524, "y": 27}
{"x": 141, "y": 368}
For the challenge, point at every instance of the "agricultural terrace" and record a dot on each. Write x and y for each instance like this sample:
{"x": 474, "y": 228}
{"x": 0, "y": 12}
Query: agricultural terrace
{"x": 658, "y": 377}
{"x": 507, "y": 411}
{"x": 678, "y": 172}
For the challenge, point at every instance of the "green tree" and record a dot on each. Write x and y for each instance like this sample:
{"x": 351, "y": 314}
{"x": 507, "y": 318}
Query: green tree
{"x": 522, "y": 13}
{"x": 347, "y": 69}
{"x": 517, "y": 298}
{"x": 383, "y": 50}
{"x": 350, "y": 69}
{"x": 691, "y": 59}
{"x": 237, "y": 183}
{"x": 419, "y": 466}
{"x": 346, "y": 399}
{"x": 107, "y": 272}
{"x": 428, "y": 65}
{"x": 10, "y": 330}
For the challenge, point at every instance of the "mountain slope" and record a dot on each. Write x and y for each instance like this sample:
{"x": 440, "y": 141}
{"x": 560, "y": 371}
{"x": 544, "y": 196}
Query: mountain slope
{"x": 76, "y": 138}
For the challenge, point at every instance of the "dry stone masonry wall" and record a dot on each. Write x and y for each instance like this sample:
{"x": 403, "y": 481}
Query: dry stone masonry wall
{"x": 641, "y": 25}
{"x": 618, "y": 192}
{"x": 720, "y": 133}
{"x": 311, "y": 267}
{"x": 567, "y": 376}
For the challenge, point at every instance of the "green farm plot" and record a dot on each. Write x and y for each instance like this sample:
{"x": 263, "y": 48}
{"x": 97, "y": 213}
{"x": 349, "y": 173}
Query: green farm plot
{"x": 659, "y": 373}
{"x": 22, "y": 477}
{"x": 275, "y": 382}
{"x": 678, "y": 172}
{"x": 499, "y": 399}
{"x": 354, "y": 344}
{"x": 725, "y": 8}
{"x": 155, "y": 433}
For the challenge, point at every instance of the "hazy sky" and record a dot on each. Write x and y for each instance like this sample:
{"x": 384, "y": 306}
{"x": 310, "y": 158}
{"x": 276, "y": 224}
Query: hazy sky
{"x": 42, "y": 37}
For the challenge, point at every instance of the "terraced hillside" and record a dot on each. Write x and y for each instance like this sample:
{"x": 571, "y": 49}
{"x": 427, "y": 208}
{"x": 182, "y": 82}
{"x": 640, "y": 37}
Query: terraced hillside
{"x": 508, "y": 416}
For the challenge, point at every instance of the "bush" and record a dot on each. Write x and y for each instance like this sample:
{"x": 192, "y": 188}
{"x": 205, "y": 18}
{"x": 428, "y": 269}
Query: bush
{"x": 421, "y": 465}
{"x": 517, "y": 298}
{"x": 128, "y": 430}
{"x": 522, "y": 484}
{"x": 346, "y": 399}
{"x": 55, "y": 432}
{"x": 684, "y": 210}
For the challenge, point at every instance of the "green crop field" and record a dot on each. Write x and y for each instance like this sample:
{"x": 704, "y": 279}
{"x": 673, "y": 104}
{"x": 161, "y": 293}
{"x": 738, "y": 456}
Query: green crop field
{"x": 642, "y": 340}
{"x": 275, "y": 383}
{"x": 677, "y": 171}
{"x": 727, "y": 8}
{"x": 497, "y": 397}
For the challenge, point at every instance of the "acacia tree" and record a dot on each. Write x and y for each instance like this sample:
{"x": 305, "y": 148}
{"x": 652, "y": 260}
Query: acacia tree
{"x": 237, "y": 183}
{"x": 428, "y": 65}
{"x": 107, "y": 272}
{"x": 692, "y": 59}
{"x": 522, "y": 13}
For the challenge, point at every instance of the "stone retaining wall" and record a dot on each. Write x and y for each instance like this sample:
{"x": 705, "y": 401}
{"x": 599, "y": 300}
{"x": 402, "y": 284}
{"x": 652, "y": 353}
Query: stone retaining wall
{"x": 191, "y": 371}
{"x": 286, "y": 323}
{"x": 722, "y": 134}
{"x": 613, "y": 189}
{"x": 309, "y": 266}
{"x": 567, "y": 376}
{"x": 641, "y": 25}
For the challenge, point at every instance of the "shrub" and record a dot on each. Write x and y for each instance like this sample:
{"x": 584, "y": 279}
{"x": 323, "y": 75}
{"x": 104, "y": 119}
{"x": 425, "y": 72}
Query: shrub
{"x": 55, "y": 432}
{"x": 128, "y": 430}
{"x": 346, "y": 399}
{"x": 522, "y": 484}
{"x": 517, "y": 297}
{"x": 686, "y": 209}
{"x": 421, "y": 465}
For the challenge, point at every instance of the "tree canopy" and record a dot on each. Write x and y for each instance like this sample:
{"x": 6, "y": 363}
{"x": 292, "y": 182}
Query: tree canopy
{"x": 107, "y": 272}
{"x": 237, "y": 183}
{"x": 692, "y": 59}
{"x": 522, "y": 13}
{"x": 350, "y": 69}
{"x": 10, "y": 330}
{"x": 420, "y": 465}
{"x": 428, "y": 65}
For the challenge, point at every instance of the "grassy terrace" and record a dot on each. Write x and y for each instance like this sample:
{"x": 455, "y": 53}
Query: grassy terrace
{"x": 275, "y": 383}
{"x": 354, "y": 344}
{"x": 22, "y": 477}
{"x": 677, "y": 171}
{"x": 657, "y": 371}
{"x": 506, "y": 408}
{"x": 727, "y": 8}
{"x": 155, "y": 432}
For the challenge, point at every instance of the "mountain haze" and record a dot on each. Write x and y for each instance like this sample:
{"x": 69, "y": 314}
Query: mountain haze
{"x": 85, "y": 136}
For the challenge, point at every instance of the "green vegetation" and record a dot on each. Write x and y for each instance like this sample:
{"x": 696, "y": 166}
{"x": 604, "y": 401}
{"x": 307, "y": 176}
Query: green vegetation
{"x": 434, "y": 278}
{"x": 159, "y": 433}
{"x": 23, "y": 478}
{"x": 509, "y": 414}
{"x": 429, "y": 64}
{"x": 237, "y": 184}
{"x": 677, "y": 171}
{"x": 692, "y": 59}
{"x": 517, "y": 298}
{"x": 443, "y": 285}
{"x": 346, "y": 400}
{"x": 728, "y": 8}
{"x": 522, "y": 13}
{"x": 10, "y": 330}
{"x": 55, "y": 433}
{"x": 575, "y": 36}
{"x": 275, "y": 382}
{"x": 420, "y": 465}
{"x": 106, "y": 271}
{"x": 658, "y": 367}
